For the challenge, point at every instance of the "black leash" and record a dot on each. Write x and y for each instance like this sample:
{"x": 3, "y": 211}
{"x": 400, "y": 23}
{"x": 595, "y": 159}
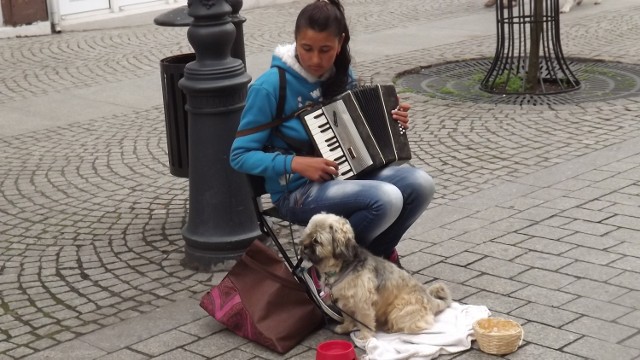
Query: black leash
{"x": 342, "y": 276}
{"x": 349, "y": 315}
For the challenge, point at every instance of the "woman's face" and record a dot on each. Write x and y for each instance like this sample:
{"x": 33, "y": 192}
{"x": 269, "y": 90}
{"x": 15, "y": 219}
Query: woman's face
{"x": 317, "y": 50}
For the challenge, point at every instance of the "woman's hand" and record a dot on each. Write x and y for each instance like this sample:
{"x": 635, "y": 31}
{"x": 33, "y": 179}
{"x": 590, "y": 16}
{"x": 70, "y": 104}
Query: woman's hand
{"x": 401, "y": 114}
{"x": 314, "y": 168}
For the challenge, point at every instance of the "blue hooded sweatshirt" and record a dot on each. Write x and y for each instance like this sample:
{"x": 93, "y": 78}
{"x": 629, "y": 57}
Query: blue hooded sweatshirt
{"x": 247, "y": 154}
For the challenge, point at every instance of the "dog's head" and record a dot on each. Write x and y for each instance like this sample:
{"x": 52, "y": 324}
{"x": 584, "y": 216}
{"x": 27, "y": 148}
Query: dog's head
{"x": 328, "y": 241}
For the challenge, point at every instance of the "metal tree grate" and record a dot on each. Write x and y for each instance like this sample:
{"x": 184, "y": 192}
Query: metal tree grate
{"x": 528, "y": 57}
{"x": 460, "y": 81}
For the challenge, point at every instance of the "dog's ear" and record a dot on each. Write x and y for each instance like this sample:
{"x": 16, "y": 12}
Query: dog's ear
{"x": 343, "y": 237}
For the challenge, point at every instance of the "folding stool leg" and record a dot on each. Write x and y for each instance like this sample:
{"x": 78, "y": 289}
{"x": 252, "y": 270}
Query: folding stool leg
{"x": 267, "y": 230}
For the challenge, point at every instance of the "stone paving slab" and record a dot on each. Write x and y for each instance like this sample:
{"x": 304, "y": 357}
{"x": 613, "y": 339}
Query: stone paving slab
{"x": 556, "y": 308}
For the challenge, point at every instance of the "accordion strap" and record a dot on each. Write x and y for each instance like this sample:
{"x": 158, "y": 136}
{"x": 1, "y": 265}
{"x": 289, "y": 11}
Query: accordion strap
{"x": 282, "y": 92}
{"x": 299, "y": 147}
{"x": 253, "y": 130}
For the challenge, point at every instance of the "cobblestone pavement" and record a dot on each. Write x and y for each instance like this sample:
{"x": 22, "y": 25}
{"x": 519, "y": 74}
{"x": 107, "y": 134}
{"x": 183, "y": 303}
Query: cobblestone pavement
{"x": 537, "y": 212}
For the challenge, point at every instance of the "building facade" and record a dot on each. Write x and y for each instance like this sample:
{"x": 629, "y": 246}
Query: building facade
{"x": 41, "y": 17}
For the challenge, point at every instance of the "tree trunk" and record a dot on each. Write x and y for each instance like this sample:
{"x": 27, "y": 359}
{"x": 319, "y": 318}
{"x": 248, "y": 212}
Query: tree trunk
{"x": 537, "y": 25}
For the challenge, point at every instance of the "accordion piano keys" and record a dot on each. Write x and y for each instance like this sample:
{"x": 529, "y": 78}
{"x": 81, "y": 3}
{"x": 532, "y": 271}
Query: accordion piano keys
{"x": 327, "y": 142}
{"x": 357, "y": 130}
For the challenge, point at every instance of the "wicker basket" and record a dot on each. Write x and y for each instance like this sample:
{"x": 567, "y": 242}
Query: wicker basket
{"x": 498, "y": 336}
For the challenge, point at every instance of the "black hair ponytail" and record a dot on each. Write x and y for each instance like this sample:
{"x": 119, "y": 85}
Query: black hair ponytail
{"x": 328, "y": 15}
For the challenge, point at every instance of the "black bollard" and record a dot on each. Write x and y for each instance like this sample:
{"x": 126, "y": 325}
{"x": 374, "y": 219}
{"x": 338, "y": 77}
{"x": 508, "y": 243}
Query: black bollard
{"x": 221, "y": 221}
{"x": 180, "y": 17}
{"x": 237, "y": 49}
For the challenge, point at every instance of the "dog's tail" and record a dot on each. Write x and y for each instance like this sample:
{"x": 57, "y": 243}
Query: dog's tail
{"x": 441, "y": 296}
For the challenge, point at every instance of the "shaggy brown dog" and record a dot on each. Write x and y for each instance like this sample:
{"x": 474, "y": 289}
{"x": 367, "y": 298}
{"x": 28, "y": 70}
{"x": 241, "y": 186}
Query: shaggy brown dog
{"x": 372, "y": 293}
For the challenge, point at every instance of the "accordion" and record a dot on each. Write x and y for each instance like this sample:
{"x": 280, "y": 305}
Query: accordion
{"x": 357, "y": 131}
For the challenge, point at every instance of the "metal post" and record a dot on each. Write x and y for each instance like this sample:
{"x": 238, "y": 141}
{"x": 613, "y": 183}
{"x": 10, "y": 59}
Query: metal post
{"x": 221, "y": 220}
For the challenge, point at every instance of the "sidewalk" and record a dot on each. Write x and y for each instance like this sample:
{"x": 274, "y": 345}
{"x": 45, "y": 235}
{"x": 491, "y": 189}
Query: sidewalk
{"x": 537, "y": 212}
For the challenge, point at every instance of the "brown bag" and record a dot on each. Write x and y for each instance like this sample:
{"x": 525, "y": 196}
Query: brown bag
{"x": 260, "y": 300}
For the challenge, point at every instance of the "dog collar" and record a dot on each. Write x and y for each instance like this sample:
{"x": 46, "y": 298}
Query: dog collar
{"x": 341, "y": 276}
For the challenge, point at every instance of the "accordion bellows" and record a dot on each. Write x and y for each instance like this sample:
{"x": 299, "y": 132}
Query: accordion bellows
{"x": 356, "y": 129}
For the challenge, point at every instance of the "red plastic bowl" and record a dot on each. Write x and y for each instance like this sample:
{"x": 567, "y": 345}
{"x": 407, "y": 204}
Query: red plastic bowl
{"x": 336, "y": 350}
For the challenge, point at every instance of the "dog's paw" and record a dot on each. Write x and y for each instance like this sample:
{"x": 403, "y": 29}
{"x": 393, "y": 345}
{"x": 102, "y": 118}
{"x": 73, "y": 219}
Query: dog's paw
{"x": 358, "y": 339}
{"x": 364, "y": 335}
{"x": 343, "y": 328}
{"x": 490, "y": 3}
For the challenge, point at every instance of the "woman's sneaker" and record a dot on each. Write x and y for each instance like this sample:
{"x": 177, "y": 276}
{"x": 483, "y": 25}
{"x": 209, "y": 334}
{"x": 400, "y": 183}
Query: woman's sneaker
{"x": 395, "y": 258}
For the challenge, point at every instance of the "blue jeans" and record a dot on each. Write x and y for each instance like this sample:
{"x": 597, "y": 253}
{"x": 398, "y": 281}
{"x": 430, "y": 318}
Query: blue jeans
{"x": 380, "y": 206}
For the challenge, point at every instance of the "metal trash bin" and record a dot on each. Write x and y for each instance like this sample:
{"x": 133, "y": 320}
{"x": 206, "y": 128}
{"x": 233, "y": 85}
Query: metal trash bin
{"x": 176, "y": 117}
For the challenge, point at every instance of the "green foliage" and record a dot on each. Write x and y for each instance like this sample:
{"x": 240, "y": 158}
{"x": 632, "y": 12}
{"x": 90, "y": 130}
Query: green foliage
{"x": 509, "y": 82}
{"x": 406, "y": 91}
{"x": 477, "y": 77}
{"x": 448, "y": 91}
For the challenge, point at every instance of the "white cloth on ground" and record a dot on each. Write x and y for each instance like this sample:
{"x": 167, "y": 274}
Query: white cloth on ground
{"x": 452, "y": 332}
